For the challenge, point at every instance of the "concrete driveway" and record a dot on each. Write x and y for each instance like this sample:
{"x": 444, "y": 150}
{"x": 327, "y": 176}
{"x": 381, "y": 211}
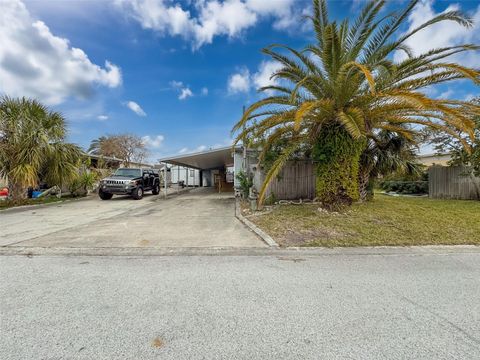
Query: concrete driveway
{"x": 199, "y": 218}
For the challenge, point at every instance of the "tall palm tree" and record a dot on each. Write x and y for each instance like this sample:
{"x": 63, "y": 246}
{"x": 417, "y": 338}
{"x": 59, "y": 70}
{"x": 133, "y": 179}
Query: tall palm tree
{"x": 340, "y": 91}
{"x": 32, "y": 144}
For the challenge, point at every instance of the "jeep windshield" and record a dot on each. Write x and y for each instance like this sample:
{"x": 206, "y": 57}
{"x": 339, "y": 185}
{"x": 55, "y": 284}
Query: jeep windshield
{"x": 130, "y": 173}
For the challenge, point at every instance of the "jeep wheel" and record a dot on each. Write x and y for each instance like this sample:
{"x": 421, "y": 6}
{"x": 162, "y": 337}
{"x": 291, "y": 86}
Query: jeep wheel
{"x": 156, "y": 189}
{"x": 104, "y": 195}
{"x": 137, "y": 194}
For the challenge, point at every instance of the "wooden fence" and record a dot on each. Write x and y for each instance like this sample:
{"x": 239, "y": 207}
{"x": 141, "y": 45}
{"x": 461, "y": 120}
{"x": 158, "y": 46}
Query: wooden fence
{"x": 296, "y": 181}
{"x": 452, "y": 182}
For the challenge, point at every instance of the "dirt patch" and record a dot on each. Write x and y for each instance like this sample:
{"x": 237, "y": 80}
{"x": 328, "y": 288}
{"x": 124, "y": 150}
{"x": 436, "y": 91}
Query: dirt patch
{"x": 158, "y": 342}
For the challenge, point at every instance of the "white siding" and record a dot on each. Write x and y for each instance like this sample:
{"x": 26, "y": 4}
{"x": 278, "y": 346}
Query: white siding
{"x": 188, "y": 176}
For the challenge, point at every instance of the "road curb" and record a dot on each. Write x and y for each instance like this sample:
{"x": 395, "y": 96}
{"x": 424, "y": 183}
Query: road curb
{"x": 262, "y": 234}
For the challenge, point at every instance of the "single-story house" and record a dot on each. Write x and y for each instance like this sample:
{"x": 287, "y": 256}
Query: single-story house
{"x": 211, "y": 168}
{"x": 434, "y": 159}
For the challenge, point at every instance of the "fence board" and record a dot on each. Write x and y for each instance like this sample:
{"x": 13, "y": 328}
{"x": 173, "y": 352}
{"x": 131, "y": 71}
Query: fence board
{"x": 452, "y": 182}
{"x": 296, "y": 181}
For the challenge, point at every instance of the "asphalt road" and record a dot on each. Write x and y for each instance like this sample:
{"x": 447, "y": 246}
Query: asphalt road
{"x": 241, "y": 307}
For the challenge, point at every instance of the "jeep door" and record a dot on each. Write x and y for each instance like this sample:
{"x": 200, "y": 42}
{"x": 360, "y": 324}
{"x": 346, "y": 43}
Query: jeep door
{"x": 145, "y": 179}
{"x": 151, "y": 181}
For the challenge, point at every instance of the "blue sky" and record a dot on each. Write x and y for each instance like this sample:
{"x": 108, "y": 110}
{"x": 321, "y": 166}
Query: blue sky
{"x": 176, "y": 73}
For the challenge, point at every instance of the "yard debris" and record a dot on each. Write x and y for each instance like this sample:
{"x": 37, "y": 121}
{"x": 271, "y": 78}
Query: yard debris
{"x": 158, "y": 342}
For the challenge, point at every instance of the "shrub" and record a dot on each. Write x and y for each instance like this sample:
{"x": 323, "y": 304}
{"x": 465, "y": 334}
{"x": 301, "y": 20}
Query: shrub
{"x": 246, "y": 182}
{"x": 405, "y": 187}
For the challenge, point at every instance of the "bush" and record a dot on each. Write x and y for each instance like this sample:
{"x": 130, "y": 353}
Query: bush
{"x": 246, "y": 182}
{"x": 82, "y": 183}
{"x": 405, "y": 187}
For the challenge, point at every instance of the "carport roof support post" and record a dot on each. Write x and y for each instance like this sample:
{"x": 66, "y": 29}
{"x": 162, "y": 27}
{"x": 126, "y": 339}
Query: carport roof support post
{"x": 165, "y": 178}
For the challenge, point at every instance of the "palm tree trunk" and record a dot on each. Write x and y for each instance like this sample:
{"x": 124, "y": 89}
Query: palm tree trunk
{"x": 363, "y": 185}
{"x": 16, "y": 191}
{"x": 337, "y": 156}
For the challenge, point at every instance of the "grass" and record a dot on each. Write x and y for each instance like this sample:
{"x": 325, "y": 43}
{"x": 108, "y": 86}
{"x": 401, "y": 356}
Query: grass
{"x": 5, "y": 204}
{"x": 393, "y": 221}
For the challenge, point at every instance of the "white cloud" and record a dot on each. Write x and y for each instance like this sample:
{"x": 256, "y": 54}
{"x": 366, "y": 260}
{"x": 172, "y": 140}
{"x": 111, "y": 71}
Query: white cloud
{"x": 243, "y": 81}
{"x": 204, "y": 91}
{"x": 212, "y": 17}
{"x": 36, "y": 63}
{"x": 186, "y": 150}
{"x": 185, "y": 93}
{"x": 444, "y": 34}
{"x": 132, "y": 105}
{"x": 265, "y": 71}
{"x": 447, "y": 94}
{"x": 239, "y": 82}
{"x": 153, "y": 142}
{"x": 176, "y": 84}
{"x": 102, "y": 117}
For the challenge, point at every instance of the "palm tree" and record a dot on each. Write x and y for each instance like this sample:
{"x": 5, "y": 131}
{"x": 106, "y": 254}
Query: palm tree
{"x": 386, "y": 153}
{"x": 338, "y": 93}
{"x": 96, "y": 145}
{"x": 32, "y": 145}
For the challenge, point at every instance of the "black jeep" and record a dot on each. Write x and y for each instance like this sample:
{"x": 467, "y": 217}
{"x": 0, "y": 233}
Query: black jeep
{"x": 128, "y": 181}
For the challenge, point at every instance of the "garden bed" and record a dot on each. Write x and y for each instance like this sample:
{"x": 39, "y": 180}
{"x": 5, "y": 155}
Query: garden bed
{"x": 6, "y": 204}
{"x": 393, "y": 221}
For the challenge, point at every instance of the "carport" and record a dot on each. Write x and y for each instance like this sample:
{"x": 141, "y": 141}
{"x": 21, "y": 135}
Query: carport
{"x": 215, "y": 168}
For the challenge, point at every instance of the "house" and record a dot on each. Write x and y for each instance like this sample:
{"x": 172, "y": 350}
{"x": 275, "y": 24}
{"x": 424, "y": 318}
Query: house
{"x": 434, "y": 159}
{"x": 189, "y": 177}
{"x": 218, "y": 168}
{"x": 107, "y": 162}
{"x": 211, "y": 168}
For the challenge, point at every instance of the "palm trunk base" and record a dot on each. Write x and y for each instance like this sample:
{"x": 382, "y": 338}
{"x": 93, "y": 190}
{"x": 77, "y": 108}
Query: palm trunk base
{"x": 337, "y": 156}
{"x": 365, "y": 185}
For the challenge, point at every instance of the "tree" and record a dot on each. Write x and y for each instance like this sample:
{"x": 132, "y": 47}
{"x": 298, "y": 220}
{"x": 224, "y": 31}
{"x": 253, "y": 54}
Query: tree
{"x": 32, "y": 146}
{"x": 460, "y": 155}
{"x": 386, "y": 153}
{"x": 133, "y": 148}
{"x": 128, "y": 147}
{"x": 338, "y": 93}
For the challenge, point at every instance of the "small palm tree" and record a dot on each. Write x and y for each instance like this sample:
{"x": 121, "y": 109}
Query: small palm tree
{"x": 340, "y": 92}
{"x": 386, "y": 153}
{"x": 32, "y": 145}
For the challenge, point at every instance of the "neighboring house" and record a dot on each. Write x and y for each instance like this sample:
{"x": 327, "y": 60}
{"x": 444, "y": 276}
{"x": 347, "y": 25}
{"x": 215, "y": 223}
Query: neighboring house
{"x": 107, "y": 162}
{"x": 434, "y": 159}
{"x": 160, "y": 170}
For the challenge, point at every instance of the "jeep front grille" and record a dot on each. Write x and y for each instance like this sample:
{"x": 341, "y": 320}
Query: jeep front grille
{"x": 115, "y": 182}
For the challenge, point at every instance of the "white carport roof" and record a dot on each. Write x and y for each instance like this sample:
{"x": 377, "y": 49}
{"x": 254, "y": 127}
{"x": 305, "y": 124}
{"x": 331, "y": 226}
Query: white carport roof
{"x": 210, "y": 159}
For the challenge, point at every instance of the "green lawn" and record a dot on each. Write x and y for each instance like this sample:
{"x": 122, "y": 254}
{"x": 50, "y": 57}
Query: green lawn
{"x": 384, "y": 221}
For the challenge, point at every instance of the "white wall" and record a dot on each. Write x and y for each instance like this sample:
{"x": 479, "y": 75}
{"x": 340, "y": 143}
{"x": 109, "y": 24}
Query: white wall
{"x": 238, "y": 165}
{"x": 180, "y": 173}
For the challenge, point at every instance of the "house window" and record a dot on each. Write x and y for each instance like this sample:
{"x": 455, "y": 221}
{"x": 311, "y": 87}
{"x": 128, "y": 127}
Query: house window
{"x": 192, "y": 172}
